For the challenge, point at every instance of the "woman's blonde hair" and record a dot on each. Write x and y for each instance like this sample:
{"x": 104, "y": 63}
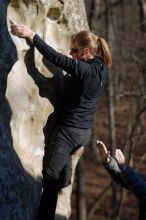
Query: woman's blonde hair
{"x": 97, "y": 45}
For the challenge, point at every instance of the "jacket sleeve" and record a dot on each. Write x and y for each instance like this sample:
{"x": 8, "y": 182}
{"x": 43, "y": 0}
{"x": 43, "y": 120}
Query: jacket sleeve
{"x": 115, "y": 172}
{"x": 71, "y": 66}
{"x": 135, "y": 181}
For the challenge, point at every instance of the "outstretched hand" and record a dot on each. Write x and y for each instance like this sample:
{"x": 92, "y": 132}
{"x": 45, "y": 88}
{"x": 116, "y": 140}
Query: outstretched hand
{"x": 22, "y": 31}
{"x": 119, "y": 156}
{"x": 104, "y": 153}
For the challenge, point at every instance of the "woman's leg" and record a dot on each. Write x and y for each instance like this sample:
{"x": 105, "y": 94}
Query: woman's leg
{"x": 51, "y": 185}
{"x": 64, "y": 141}
{"x": 55, "y": 159}
{"x": 48, "y": 202}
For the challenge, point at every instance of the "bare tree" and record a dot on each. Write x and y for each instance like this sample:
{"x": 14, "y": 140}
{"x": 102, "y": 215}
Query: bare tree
{"x": 111, "y": 40}
{"x": 81, "y": 199}
{"x": 142, "y": 15}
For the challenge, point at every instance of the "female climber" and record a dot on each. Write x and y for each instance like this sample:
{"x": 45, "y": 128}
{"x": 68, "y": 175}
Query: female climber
{"x": 88, "y": 71}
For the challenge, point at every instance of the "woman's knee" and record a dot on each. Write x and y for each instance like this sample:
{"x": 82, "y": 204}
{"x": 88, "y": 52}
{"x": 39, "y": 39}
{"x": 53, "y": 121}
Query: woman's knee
{"x": 50, "y": 177}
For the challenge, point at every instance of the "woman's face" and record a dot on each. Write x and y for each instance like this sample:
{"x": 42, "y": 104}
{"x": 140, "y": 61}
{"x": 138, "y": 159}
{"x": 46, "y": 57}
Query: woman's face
{"x": 75, "y": 51}
{"x": 80, "y": 53}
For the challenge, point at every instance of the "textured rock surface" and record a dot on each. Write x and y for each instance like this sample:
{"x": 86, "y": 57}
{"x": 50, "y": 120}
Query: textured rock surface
{"x": 33, "y": 96}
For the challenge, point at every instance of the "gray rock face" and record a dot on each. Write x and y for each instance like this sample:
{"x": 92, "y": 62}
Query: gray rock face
{"x": 30, "y": 97}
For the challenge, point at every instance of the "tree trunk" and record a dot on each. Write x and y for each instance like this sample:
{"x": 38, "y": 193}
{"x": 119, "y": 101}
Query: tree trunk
{"x": 111, "y": 40}
{"x": 81, "y": 201}
{"x": 142, "y": 15}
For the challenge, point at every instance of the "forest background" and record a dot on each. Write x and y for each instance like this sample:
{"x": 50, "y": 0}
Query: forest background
{"x": 121, "y": 117}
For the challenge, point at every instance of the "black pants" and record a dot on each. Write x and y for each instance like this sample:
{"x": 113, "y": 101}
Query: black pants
{"x": 56, "y": 161}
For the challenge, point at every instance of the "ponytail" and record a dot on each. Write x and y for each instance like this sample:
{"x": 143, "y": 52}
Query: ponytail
{"x": 97, "y": 45}
{"x": 104, "y": 52}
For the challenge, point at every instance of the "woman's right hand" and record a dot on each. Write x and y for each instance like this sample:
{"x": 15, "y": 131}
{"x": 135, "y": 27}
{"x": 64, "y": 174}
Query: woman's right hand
{"x": 22, "y": 31}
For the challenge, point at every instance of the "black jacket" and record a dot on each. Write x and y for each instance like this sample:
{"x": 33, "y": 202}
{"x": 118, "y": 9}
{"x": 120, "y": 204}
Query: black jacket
{"x": 131, "y": 180}
{"x": 87, "y": 80}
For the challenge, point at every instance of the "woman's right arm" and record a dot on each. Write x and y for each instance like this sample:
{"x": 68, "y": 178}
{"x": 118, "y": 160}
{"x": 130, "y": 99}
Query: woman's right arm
{"x": 66, "y": 63}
